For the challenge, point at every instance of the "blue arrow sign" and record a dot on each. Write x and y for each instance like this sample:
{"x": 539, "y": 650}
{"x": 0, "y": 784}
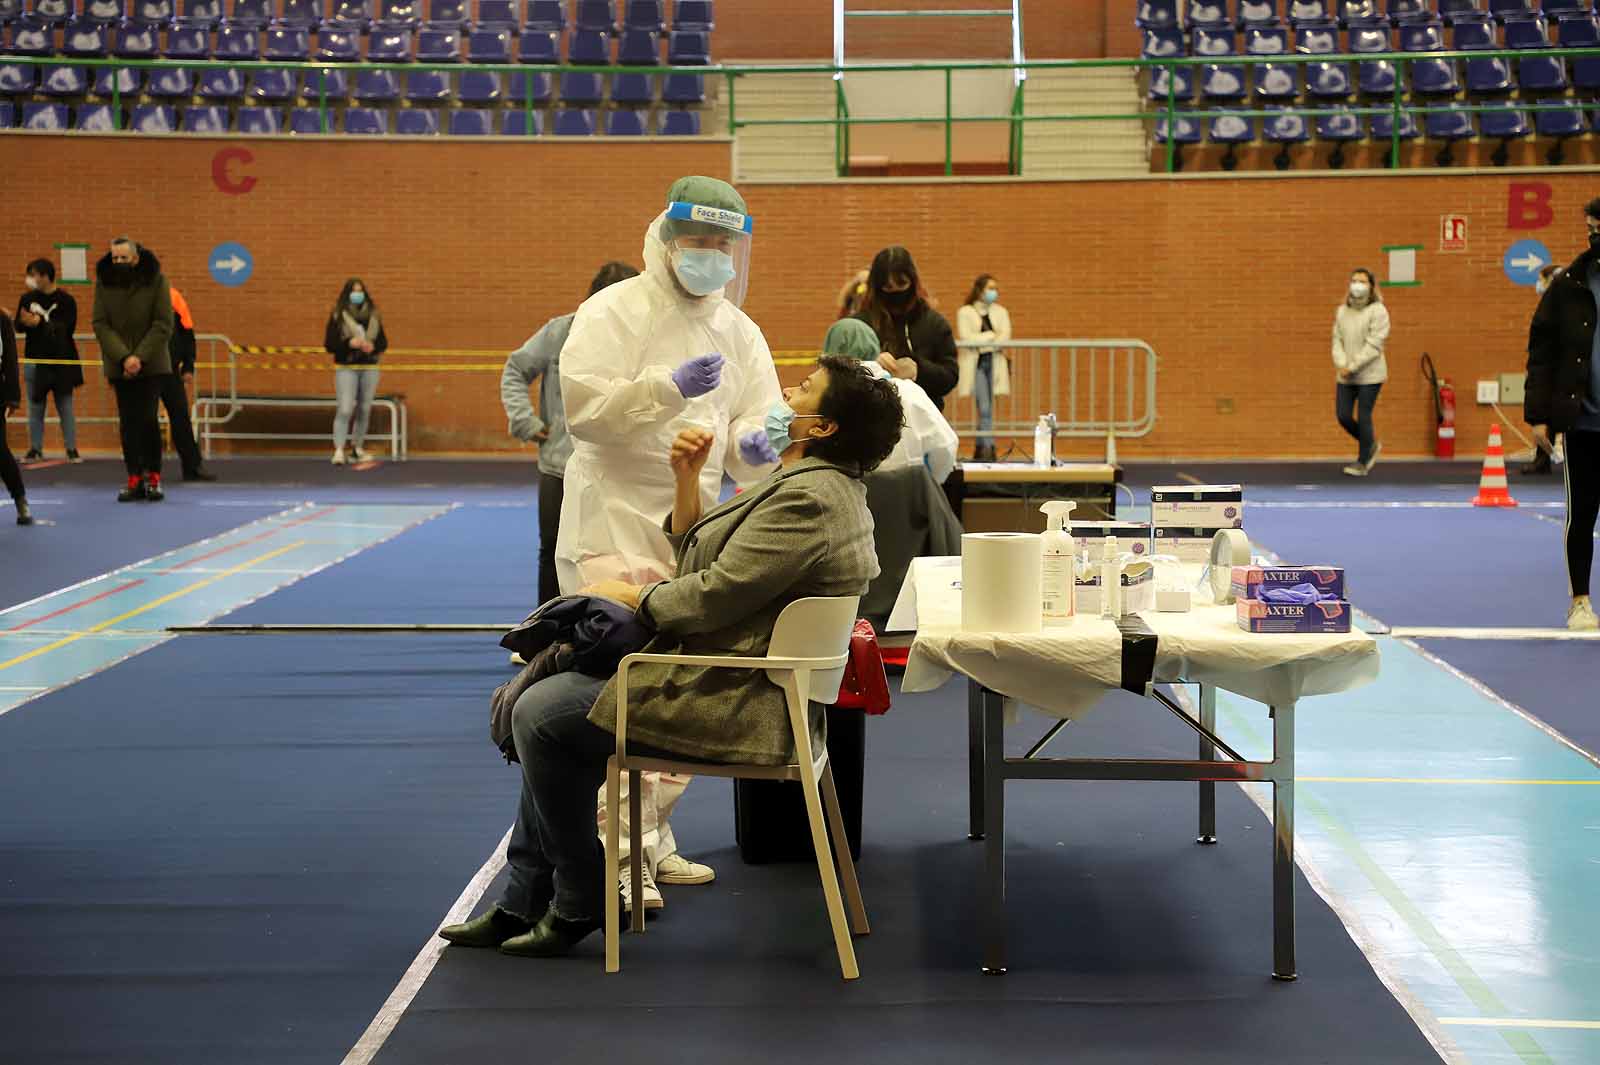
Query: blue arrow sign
{"x": 230, "y": 264}
{"x": 1523, "y": 261}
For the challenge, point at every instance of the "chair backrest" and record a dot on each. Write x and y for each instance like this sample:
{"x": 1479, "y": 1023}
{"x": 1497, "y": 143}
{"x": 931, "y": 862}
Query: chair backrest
{"x": 815, "y": 628}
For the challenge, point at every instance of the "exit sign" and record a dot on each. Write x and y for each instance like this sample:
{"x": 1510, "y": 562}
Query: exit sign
{"x": 1453, "y": 232}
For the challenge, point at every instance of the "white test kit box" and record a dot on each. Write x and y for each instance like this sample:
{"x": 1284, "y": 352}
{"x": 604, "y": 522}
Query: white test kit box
{"x": 1189, "y": 546}
{"x": 1197, "y": 506}
{"x": 1132, "y": 537}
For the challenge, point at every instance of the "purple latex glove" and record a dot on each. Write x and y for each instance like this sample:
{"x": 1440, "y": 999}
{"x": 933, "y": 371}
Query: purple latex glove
{"x": 698, "y": 375}
{"x": 1300, "y": 593}
{"x": 756, "y": 449}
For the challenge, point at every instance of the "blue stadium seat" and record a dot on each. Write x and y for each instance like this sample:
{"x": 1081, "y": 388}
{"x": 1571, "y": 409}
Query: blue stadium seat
{"x": 1361, "y": 13}
{"x": 1383, "y": 127}
{"x": 366, "y": 120}
{"x": 1286, "y": 127}
{"x": 515, "y": 124}
{"x": 689, "y": 48}
{"x": 32, "y": 37}
{"x": 696, "y": 15}
{"x": 1487, "y": 75}
{"x": 1274, "y": 81}
{"x": 582, "y": 88}
{"x": 110, "y": 81}
{"x": 86, "y": 38}
{"x": 1536, "y": 73}
{"x": 309, "y": 120}
{"x": 479, "y": 87}
{"x": 1513, "y": 9}
{"x": 645, "y": 15}
{"x": 625, "y": 124}
{"x": 448, "y": 14}
{"x": 571, "y": 122}
{"x": 338, "y": 46}
{"x": 105, "y": 10}
{"x": 207, "y": 13}
{"x": 260, "y": 120}
{"x": 489, "y": 46}
{"x": 536, "y": 86}
{"x": 419, "y": 122}
{"x": 1166, "y": 44}
{"x": 1374, "y": 77}
{"x": 352, "y": 15}
{"x": 498, "y": 15}
{"x": 596, "y": 15}
{"x": 589, "y": 48}
{"x": 17, "y": 80}
{"x": 1504, "y": 124}
{"x": 50, "y": 12}
{"x": 549, "y": 15}
{"x": 161, "y": 11}
{"x": 471, "y": 123}
{"x": 1409, "y": 11}
{"x": 222, "y": 83}
{"x": 170, "y": 84}
{"x": 205, "y": 120}
{"x": 254, "y": 14}
{"x": 194, "y": 42}
{"x": 237, "y": 43}
{"x": 680, "y": 124}
{"x": 1559, "y": 9}
{"x": 1207, "y": 15}
{"x": 1219, "y": 81}
{"x": 538, "y": 46}
{"x": 273, "y": 85}
{"x": 154, "y": 118}
{"x": 1185, "y": 130}
{"x": 1429, "y": 77}
{"x": 288, "y": 45}
{"x": 1448, "y": 122}
{"x": 8, "y": 114}
{"x": 1344, "y": 126}
{"x": 639, "y": 48}
{"x": 1150, "y": 14}
{"x": 335, "y": 83}
{"x": 377, "y": 86}
{"x": 1582, "y": 31}
{"x": 48, "y": 118}
{"x": 1163, "y": 44}
{"x": 1326, "y": 81}
{"x": 684, "y": 89}
{"x": 95, "y": 118}
{"x": 399, "y": 14}
{"x": 436, "y": 45}
{"x": 1262, "y": 14}
{"x": 1558, "y": 126}
{"x": 1231, "y": 130}
{"x": 633, "y": 88}
{"x": 389, "y": 45}
{"x": 10, "y": 11}
{"x": 64, "y": 81}
{"x": 1450, "y": 10}
{"x": 300, "y": 14}
{"x": 1310, "y": 12}
{"x": 428, "y": 87}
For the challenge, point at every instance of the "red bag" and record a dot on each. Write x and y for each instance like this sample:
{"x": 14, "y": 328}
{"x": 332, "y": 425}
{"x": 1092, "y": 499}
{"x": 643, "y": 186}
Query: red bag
{"x": 865, "y": 686}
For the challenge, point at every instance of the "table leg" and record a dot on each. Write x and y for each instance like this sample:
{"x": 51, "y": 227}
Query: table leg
{"x": 974, "y": 760}
{"x": 1283, "y": 964}
{"x": 994, "y": 788}
{"x": 1208, "y": 753}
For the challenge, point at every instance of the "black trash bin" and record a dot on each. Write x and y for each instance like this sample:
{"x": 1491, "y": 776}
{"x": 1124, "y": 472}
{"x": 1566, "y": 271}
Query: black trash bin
{"x": 769, "y": 816}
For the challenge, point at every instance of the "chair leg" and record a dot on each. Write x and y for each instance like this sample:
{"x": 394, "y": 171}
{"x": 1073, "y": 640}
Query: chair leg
{"x": 635, "y": 851}
{"x": 800, "y": 726}
{"x": 613, "y": 843}
{"x": 841, "y": 850}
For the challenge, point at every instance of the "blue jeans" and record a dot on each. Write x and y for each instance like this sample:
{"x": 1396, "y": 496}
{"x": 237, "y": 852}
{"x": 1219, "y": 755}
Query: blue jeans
{"x": 1353, "y": 405}
{"x": 556, "y": 859}
{"x": 36, "y": 412}
{"x": 983, "y": 395}
{"x": 354, "y": 390}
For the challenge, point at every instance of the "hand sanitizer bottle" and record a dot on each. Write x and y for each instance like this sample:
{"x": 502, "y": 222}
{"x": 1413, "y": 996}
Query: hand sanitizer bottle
{"x": 1043, "y": 442}
{"x": 1060, "y": 569}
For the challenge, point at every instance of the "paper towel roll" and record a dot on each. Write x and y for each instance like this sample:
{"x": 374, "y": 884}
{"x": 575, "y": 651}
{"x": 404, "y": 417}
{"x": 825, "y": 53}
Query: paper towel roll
{"x": 1001, "y": 582}
{"x": 1229, "y": 548}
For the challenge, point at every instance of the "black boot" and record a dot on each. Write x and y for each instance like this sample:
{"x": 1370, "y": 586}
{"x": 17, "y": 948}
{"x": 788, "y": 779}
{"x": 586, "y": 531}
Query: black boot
{"x": 152, "y": 488}
{"x": 134, "y": 492}
{"x": 551, "y": 937}
{"x": 488, "y": 929}
{"x": 24, "y": 515}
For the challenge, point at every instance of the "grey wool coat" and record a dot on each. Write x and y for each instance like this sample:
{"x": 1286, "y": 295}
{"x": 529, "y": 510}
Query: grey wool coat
{"x": 804, "y": 531}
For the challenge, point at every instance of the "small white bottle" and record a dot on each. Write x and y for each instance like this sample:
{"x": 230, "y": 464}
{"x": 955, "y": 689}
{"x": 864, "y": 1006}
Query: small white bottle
{"x": 1044, "y": 438}
{"x": 1060, "y": 564}
{"x": 1110, "y": 579}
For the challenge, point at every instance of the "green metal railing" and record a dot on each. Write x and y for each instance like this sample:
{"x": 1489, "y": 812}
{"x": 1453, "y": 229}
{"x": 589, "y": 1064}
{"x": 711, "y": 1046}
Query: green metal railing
{"x": 1398, "y": 107}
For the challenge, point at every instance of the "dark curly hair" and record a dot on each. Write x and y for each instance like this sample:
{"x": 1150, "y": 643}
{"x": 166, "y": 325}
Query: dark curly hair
{"x": 610, "y": 274}
{"x": 867, "y": 411}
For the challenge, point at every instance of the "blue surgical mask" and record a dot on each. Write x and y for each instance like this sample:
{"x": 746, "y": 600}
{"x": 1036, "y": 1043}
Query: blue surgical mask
{"x": 358, "y": 298}
{"x": 990, "y": 295}
{"x": 703, "y": 271}
{"x": 779, "y": 417}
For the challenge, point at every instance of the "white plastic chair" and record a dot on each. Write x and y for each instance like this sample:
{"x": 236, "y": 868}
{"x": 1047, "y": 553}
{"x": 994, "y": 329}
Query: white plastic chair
{"x": 810, "y": 644}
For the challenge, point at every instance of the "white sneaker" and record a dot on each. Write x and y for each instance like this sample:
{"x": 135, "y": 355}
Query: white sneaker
{"x": 518, "y": 660}
{"x": 676, "y": 869}
{"x": 1581, "y": 617}
{"x": 1377, "y": 449}
{"x": 649, "y": 892}
{"x": 357, "y": 455}
{"x": 338, "y": 456}
{"x": 1355, "y": 469}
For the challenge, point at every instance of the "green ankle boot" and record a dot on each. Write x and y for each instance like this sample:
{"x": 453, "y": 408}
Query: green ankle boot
{"x": 551, "y": 937}
{"x": 489, "y": 929}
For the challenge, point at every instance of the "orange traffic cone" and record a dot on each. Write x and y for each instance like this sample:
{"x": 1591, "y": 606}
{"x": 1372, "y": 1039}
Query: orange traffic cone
{"x": 1492, "y": 490}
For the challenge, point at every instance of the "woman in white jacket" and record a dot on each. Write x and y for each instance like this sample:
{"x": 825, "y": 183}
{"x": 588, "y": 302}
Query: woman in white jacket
{"x": 1360, "y": 333}
{"x": 985, "y": 372}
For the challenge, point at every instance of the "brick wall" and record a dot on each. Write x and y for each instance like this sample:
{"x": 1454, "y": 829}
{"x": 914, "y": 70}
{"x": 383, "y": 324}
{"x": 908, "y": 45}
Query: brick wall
{"x": 1052, "y": 29}
{"x": 1233, "y": 281}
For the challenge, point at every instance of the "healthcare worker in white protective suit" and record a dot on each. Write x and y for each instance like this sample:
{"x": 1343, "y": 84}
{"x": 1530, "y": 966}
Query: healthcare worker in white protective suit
{"x": 646, "y": 358}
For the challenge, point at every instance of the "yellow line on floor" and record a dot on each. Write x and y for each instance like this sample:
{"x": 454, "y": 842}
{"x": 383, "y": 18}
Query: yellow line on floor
{"x": 1440, "y": 780}
{"x": 1517, "y": 1022}
{"x": 136, "y": 611}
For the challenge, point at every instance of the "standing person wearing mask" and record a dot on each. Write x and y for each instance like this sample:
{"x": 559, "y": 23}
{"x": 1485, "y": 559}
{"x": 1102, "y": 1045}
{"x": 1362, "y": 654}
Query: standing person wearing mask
{"x": 647, "y": 358}
{"x": 1543, "y": 456}
{"x": 1360, "y": 333}
{"x": 985, "y": 372}
{"x": 540, "y": 358}
{"x": 47, "y": 317}
{"x": 10, "y": 400}
{"x": 133, "y": 324}
{"x": 356, "y": 340}
{"x": 175, "y": 392}
{"x": 917, "y": 342}
{"x": 1563, "y": 398}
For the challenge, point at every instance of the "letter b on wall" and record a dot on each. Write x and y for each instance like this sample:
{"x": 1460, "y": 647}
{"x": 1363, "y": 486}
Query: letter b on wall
{"x": 1528, "y": 205}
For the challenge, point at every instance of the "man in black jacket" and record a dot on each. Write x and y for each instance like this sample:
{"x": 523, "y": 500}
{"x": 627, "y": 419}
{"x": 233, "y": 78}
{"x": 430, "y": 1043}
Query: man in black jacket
{"x": 1563, "y": 396}
{"x": 10, "y": 400}
{"x": 133, "y": 324}
{"x": 175, "y": 391}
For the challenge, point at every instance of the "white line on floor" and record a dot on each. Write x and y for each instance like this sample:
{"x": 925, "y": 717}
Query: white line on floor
{"x": 394, "y": 1007}
{"x": 1418, "y": 632}
{"x": 1517, "y": 1022}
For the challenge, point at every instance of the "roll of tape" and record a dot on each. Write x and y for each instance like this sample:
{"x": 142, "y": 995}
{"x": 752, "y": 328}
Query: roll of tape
{"x": 1229, "y": 548}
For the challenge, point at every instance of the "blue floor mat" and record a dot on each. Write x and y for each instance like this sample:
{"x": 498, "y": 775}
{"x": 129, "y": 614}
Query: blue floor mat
{"x": 229, "y": 851}
{"x": 1128, "y": 942}
{"x": 1551, "y": 679}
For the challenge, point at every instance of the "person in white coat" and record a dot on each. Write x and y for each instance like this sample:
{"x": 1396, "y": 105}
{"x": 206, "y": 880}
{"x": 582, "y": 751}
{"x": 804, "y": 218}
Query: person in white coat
{"x": 1360, "y": 334}
{"x": 927, "y": 438}
{"x": 984, "y": 372}
{"x": 647, "y": 358}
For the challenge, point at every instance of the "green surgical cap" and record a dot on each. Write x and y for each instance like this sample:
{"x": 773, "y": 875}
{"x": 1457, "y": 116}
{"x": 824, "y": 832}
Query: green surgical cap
{"x": 852, "y": 337}
{"x": 706, "y": 192}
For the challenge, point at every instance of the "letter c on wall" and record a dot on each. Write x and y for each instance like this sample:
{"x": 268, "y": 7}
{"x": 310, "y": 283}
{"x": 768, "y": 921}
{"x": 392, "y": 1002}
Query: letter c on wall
{"x": 220, "y": 171}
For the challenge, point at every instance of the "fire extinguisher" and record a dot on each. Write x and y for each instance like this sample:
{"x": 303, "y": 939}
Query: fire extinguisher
{"x": 1444, "y": 410}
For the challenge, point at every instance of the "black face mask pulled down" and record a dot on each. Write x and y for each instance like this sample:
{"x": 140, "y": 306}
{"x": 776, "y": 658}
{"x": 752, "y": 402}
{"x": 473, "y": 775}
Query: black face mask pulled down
{"x": 898, "y": 303}
{"x": 1594, "y": 241}
{"x": 122, "y": 272}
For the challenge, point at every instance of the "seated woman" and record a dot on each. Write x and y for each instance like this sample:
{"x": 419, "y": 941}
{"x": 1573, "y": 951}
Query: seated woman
{"x": 804, "y": 531}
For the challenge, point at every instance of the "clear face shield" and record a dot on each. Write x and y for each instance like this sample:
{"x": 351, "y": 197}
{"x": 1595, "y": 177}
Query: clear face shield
{"x": 708, "y": 249}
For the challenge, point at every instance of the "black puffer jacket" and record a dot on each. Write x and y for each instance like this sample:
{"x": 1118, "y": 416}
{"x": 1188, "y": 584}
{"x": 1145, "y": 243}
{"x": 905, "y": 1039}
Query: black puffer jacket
{"x": 924, "y": 336}
{"x": 133, "y": 315}
{"x": 1561, "y": 348}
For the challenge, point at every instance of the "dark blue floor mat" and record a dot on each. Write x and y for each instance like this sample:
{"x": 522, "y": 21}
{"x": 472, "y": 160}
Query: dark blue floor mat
{"x": 224, "y": 851}
{"x": 1128, "y": 942}
{"x": 1551, "y": 679}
